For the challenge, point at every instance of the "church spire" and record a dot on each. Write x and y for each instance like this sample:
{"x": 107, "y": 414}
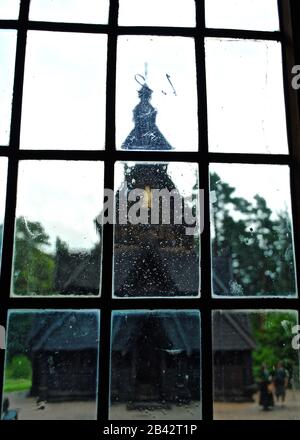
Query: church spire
{"x": 145, "y": 135}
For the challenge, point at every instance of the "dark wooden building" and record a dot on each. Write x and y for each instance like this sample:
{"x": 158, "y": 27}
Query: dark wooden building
{"x": 63, "y": 349}
{"x": 154, "y": 259}
{"x": 233, "y": 344}
{"x": 155, "y": 357}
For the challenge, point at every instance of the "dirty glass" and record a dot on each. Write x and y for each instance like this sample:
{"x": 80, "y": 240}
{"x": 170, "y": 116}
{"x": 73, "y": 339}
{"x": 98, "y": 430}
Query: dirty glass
{"x": 156, "y": 235}
{"x": 251, "y": 230}
{"x": 255, "y": 15}
{"x": 64, "y": 91}
{"x": 3, "y": 177}
{"x": 246, "y": 108}
{"x": 155, "y": 365}
{"x": 256, "y": 365}
{"x": 9, "y": 9}
{"x": 51, "y": 365}
{"x": 68, "y": 11}
{"x": 57, "y": 249}
{"x": 157, "y": 13}
{"x": 156, "y": 104}
{"x": 7, "y": 57}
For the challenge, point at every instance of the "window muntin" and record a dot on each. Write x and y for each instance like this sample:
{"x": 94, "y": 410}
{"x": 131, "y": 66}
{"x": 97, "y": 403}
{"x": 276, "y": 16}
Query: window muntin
{"x": 105, "y": 303}
{"x": 57, "y": 248}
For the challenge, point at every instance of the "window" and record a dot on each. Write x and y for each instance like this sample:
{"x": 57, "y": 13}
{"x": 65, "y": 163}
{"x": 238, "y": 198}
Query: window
{"x": 172, "y": 313}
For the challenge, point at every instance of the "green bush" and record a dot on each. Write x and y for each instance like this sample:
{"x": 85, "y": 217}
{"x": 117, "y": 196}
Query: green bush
{"x": 19, "y": 368}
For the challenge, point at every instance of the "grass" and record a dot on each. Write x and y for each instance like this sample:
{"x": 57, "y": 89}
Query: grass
{"x": 16, "y": 385}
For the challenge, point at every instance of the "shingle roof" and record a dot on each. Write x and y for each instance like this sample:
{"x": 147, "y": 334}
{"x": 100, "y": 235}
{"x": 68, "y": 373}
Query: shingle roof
{"x": 176, "y": 330}
{"x": 66, "y": 331}
{"x": 232, "y": 332}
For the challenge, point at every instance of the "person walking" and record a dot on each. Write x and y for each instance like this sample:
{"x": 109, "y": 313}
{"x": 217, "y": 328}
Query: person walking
{"x": 280, "y": 379}
{"x": 266, "y": 399}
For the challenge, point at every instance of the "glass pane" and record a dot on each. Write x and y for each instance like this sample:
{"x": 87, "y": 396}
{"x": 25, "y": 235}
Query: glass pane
{"x": 3, "y": 177}
{"x": 256, "y": 365}
{"x": 251, "y": 228}
{"x": 156, "y": 240}
{"x": 246, "y": 109}
{"x": 157, "y": 13}
{"x": 155, "y": 365}
{"x": 9, "y": 9}
{"x": 68, "y": 11}
{"x": 51, "y": 365}
{"x": 165, "y": 68}
{"x": 242, "y": 14}
{"x": 64, "y": 91}
{"x": 8, "y": 52}
{"x": 58, "y": 228}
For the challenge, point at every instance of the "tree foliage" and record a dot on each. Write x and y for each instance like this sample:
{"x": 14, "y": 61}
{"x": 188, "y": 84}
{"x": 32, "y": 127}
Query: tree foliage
{"x": 33, "y": 265}
{"x": 273, "y": 334}
{"x": 256, "y": 242}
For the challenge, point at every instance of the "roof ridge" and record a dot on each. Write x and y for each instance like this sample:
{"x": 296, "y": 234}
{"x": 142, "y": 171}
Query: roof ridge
{"x": 248, "y": 338}
{"x": 54, "y": 326}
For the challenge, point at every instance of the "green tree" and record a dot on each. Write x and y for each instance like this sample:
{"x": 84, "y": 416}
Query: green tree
{"x": 255, "y": 241}
{"x": 33, "y": 266}
{"x": 273, "y": 334}
{"x": 18, "y": 330}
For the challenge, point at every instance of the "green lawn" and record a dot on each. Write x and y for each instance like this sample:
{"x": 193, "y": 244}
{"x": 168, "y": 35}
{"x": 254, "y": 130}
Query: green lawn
{"x": 17, "y": 385}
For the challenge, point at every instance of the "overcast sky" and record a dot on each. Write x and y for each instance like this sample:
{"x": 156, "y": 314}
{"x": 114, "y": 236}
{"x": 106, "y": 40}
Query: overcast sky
{"x": 7, "y": 67}
{"x": 66, "y": 197}
{"x": 64, "y": 91}
{"x": 269, "y": 181}
{"x": 64, "y": 100}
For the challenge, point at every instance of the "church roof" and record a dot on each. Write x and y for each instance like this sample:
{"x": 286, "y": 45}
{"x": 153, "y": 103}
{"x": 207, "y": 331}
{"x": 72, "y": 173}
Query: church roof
{"x": 176, "y": 331}
{"x": 145, "y": 135}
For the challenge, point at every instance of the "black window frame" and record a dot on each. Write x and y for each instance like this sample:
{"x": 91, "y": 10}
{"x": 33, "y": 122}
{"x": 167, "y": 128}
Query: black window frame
{"x": 289, "y": 12}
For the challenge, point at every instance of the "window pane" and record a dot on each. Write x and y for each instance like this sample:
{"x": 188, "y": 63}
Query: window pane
{"x": 155, "y": 365}
{"x": 165, "y": 68}
{"x": 246, "y": 109}
{"x": 51, "y": 365}
{"x": 157, "y": 13}
{"x": 58, "y": 228}
{"x": 256, "y": 365}
{"x": 251, "y": 228}
{"x": 64, "y": 91}
{"x": 156, "y": 242}
{"x": 242, "y": 14}
{"x": 7, "y": 57}
{"x": 9, "y": 9}
{"x": 3, "y": 177}
{"x": 68, "y": 11}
